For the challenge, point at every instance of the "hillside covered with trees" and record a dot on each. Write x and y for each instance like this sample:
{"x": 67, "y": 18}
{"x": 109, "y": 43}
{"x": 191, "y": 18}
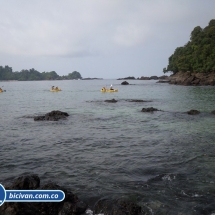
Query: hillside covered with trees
{"x": 198, "y": 55}
{"x": 6, "y": 73}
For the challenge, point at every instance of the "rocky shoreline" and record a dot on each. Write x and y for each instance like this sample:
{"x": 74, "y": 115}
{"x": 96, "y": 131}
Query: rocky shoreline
{"x": 192, "y": 79}
{"x": 71, "y": 205}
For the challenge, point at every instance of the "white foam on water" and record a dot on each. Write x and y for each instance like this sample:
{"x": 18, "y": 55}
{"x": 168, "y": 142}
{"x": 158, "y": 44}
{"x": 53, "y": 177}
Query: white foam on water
{"x": 168, "y": 177}
{"x": 89, "y": 212}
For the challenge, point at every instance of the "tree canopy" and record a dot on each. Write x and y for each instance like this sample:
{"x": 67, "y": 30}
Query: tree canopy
{"x": 6, "y": 73}
{"x": 198, "y": 54}
{"x": 74, "y": 75}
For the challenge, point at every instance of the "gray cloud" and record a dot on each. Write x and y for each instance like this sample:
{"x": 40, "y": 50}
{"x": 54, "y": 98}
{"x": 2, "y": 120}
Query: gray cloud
{"x": 97, "y": 34}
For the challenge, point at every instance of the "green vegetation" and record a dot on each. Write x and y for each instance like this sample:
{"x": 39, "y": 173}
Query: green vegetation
{"x": 74, "y": 75}
{"x": 6, "y": 73}
{"x": 198, "y": 54}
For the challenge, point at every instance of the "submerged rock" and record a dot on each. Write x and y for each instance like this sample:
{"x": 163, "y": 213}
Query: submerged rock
{"x": 193, "y": 112}
{"x": 71, "y": 205}
{"x": 136, "y": 100}
{"x": 111, "y": 101}
{"x": 150, "y": 109}
{"x": 54, "y": 115}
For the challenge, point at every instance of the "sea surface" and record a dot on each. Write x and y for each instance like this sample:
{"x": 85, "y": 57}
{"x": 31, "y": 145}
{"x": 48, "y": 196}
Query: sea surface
{"x": 163, "y": 161}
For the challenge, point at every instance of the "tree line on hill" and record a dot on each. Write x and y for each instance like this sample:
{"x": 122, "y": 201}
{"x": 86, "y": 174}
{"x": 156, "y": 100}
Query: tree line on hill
{"x": 198, "y": 54}
{"x": 6, "y": 73}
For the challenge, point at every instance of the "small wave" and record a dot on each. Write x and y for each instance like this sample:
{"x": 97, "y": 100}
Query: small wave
{"x": 90, "y": 212}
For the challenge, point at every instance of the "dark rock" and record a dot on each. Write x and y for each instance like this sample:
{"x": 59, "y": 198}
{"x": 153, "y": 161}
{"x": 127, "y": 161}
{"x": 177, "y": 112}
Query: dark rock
{"x": 39, "y": 118}
{"x": 193, "y": 112}
{"x": 124, "y": 83}
{"x": 189, "y": 80}
{"x": 111, "y": 101}
{"x": 71, "y": 205}
{"x": 213, "y": 112}
{"x": 71, "y": 208}
{"x": 52, "y": 116}
{"x": 150, "y": 109}
{"x": 56, "y": 115}
{"x": 136, "y": 100}
{"x": 196, "y": 81}
{"x": 117, "y": 207}
{"x": 26, "y": 183}
{"x": 15, "y": 208}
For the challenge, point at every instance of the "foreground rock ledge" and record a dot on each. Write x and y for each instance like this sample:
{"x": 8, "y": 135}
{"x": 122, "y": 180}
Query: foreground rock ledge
{"x": 71, "y": 205}
{"x": 54, "y": 115}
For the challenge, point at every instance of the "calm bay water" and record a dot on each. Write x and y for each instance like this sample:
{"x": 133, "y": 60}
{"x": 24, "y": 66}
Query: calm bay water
{"x": 164, "y": 161}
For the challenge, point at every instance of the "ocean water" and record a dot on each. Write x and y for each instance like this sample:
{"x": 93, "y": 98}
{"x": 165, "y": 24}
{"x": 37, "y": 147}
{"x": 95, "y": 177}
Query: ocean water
{"x": 164, "y": 161}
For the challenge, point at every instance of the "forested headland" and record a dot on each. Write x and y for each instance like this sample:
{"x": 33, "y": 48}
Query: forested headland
{"x": 7, "y": 74}
{"x": 197, "y": 55}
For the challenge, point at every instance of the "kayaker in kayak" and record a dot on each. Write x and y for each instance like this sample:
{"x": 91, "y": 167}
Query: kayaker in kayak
{"x": 52, "y": 87}
{"x": 111, "y": 87}
{"x": 56, "y": 88}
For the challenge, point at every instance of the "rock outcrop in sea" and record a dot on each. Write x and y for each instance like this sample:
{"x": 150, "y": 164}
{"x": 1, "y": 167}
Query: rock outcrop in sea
{"x": 150, "y": 109}
{"x": 193, "y": 112}
{"x": 136, "y": 100}
{"x": 111, "y": 100}
{"x": 54, "y": 115}
{"x": 124, "y": 83}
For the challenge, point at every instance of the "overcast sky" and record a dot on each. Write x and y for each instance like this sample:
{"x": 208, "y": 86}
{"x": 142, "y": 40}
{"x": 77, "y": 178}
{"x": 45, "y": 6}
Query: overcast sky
{"x": 98, "y": 38}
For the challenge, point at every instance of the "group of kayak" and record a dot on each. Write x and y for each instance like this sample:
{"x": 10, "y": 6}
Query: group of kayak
{"x": 110, "y": 90}
{"x": 55, "y": 89}
{"x": 104, "y": 89}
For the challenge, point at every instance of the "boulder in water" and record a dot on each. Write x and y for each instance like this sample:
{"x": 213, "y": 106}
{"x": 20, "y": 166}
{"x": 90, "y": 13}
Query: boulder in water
{"x": 193, "y": 112}
{"x": 150, "y": 109}
{"x": 111, "y": 101}
{"x": 124, "y": 83}
{"x": 54, "y": 115}
{"x": 137, "y": 100}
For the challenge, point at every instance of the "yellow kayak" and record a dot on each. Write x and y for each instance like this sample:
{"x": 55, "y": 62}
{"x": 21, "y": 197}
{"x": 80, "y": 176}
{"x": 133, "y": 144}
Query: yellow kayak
{"x": 55, "y": 90}
{"x": 105, "y": 90}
